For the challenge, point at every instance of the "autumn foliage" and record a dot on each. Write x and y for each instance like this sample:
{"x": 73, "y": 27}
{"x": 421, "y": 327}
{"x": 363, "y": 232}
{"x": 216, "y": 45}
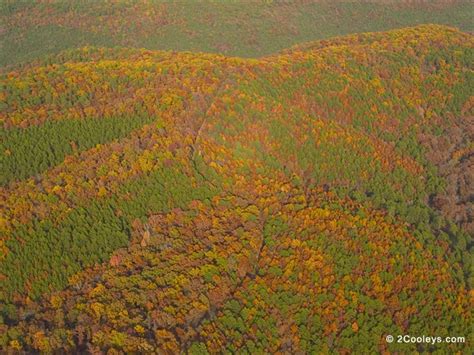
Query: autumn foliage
{"x": 294, "y": 203}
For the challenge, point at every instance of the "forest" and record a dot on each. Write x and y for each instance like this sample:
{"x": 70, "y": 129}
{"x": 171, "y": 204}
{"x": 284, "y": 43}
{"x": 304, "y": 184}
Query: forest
{"x": 313, "y": 200}
{"x": 244, "y": 28}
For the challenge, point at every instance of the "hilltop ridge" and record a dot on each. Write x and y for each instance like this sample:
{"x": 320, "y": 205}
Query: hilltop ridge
{"x": 31, "y": 30}
{"x": 297, "y": 202}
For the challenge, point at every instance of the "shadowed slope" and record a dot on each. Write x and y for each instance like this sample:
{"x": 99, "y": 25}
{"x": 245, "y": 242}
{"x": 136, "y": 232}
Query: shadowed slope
{"x": 239, "y": 28}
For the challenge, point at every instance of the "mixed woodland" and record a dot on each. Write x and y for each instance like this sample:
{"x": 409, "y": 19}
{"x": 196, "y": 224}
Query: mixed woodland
{"x": 313, "y": 200}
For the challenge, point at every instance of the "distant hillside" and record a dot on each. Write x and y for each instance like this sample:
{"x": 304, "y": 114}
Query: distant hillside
{"x": 314, "y": 200}
{"x": 246, "y": 28}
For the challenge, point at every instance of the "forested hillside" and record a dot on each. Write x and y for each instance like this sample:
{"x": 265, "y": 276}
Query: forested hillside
{"x": 250, "y": 28}
{"x": 314, "y": 200}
